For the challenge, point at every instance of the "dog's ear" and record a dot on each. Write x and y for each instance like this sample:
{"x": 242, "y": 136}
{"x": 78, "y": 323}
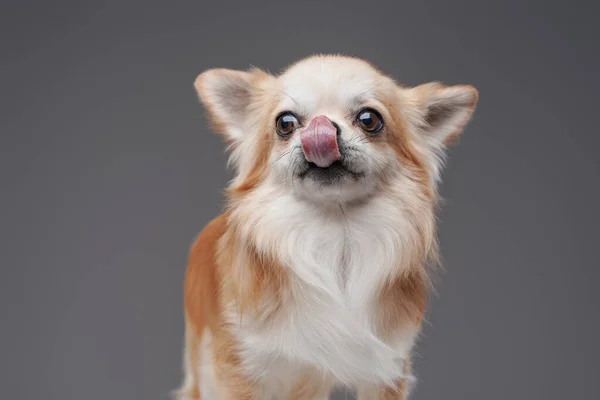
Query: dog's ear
{"x": 228, "y": 96}
{"x": 443, "y": 111}
{"x": 439, "y": 114}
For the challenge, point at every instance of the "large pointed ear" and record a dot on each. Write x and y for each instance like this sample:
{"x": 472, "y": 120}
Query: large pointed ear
{"x": 444, "y": 110}
{"x": 439, "y": 114}
{"x": 228, "y": 96}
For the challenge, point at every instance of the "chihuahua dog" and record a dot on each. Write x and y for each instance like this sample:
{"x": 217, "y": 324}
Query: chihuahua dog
{"x": 316, "y": 274}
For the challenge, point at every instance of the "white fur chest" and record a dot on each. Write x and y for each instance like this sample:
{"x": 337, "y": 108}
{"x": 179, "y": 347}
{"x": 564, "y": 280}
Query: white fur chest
{"x": 337, "y": 261}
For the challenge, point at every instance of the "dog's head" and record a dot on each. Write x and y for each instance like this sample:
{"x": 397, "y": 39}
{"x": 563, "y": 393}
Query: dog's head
{"x": 334, "y": 129}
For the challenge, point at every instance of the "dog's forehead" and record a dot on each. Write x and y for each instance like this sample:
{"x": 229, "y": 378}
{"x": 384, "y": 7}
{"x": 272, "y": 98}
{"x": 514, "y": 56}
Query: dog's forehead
{"x": 339, "y": 82}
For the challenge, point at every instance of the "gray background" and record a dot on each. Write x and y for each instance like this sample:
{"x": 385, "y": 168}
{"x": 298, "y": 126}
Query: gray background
{"x": 109, "y": 171}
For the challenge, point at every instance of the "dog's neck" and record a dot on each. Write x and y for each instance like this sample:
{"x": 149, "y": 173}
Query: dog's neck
{"x": 360, "y": 244}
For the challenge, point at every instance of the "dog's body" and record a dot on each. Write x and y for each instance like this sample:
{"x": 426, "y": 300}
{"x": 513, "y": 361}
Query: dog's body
{"x": 315, "y": 275}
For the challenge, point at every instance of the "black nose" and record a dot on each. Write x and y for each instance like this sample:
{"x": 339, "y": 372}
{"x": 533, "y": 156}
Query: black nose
{"x": 338, "y": 130}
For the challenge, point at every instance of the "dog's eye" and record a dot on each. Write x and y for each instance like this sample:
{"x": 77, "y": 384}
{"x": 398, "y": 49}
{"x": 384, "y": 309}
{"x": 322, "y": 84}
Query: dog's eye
{"x": 370, "y": 120}
{"x": 286, "y": 124}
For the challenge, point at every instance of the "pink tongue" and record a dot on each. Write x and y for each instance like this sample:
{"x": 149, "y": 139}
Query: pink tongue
{"x": 319, "y": 142}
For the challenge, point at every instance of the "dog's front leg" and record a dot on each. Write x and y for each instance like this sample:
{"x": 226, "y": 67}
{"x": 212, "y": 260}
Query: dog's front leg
{"x": 380, "y": 392}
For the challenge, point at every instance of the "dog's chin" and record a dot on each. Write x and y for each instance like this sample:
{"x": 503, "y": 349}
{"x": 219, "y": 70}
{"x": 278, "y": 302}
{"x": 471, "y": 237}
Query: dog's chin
{"x": 333, "y": 185}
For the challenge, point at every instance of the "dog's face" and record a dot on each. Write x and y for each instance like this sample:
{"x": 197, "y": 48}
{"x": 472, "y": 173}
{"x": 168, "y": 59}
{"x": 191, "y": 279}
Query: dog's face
{"x": 334, "y": 130}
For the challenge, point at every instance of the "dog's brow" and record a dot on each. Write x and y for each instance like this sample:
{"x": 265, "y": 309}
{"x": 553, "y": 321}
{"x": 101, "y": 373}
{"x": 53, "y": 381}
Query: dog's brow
{"x": 366, "y": 92}
{"x": 290, "y": 97}
{"x": 358, "y": 101}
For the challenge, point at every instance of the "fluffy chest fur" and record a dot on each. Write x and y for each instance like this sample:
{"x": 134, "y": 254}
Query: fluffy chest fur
{"x": 339, "y": 263}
